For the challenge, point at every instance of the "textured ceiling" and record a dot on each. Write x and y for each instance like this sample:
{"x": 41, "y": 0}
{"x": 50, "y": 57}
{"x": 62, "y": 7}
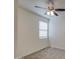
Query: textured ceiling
{"x": 29, "y": 5}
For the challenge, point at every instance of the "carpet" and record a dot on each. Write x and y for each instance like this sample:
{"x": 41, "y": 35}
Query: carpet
{"x": 48, "y": 53}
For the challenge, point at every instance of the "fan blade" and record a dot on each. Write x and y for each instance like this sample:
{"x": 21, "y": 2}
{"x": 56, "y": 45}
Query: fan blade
{"x": 55, "y": 13}
{"x": 40, "y": 7}
{"x": 59, "y": 9}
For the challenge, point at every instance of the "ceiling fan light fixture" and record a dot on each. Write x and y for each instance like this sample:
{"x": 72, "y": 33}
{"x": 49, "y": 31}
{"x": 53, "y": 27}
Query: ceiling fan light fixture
{"x": 48, "y": 13}
{"x": 51, "y": 13}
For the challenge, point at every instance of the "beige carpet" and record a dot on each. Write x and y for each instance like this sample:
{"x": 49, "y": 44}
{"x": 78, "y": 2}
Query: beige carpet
{"x": 48, "y": 53}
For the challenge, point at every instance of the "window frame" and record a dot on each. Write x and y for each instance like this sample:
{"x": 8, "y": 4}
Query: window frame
{"x": 44, "y": 37}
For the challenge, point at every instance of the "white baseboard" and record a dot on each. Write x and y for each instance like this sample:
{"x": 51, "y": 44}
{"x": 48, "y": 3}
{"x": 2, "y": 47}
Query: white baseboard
{"x": 58, "y": 47}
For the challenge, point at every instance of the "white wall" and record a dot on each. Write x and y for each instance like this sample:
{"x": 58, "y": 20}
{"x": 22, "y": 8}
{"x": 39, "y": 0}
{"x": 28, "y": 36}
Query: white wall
{"x": 27, "y": 33}
{"x": 57, "y": 32}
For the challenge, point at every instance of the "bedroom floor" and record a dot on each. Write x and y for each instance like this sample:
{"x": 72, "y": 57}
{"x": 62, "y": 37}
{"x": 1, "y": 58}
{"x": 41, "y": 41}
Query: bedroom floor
{"x": 48, "y": 53}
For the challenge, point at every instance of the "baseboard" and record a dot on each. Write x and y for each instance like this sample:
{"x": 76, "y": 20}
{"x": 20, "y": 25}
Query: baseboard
{"x": 37, "y": 51}
{"x": 58, "y": 48}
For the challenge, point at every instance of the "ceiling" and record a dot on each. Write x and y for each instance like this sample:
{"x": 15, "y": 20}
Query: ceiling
{"x": 29, "y": 5}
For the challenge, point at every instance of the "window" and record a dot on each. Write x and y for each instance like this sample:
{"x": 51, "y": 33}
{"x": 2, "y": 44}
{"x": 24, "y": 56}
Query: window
{"x": 43, "y": 30}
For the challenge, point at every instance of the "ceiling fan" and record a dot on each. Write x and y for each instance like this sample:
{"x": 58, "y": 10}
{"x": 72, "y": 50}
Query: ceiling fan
{"x": 50, "y": 10}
